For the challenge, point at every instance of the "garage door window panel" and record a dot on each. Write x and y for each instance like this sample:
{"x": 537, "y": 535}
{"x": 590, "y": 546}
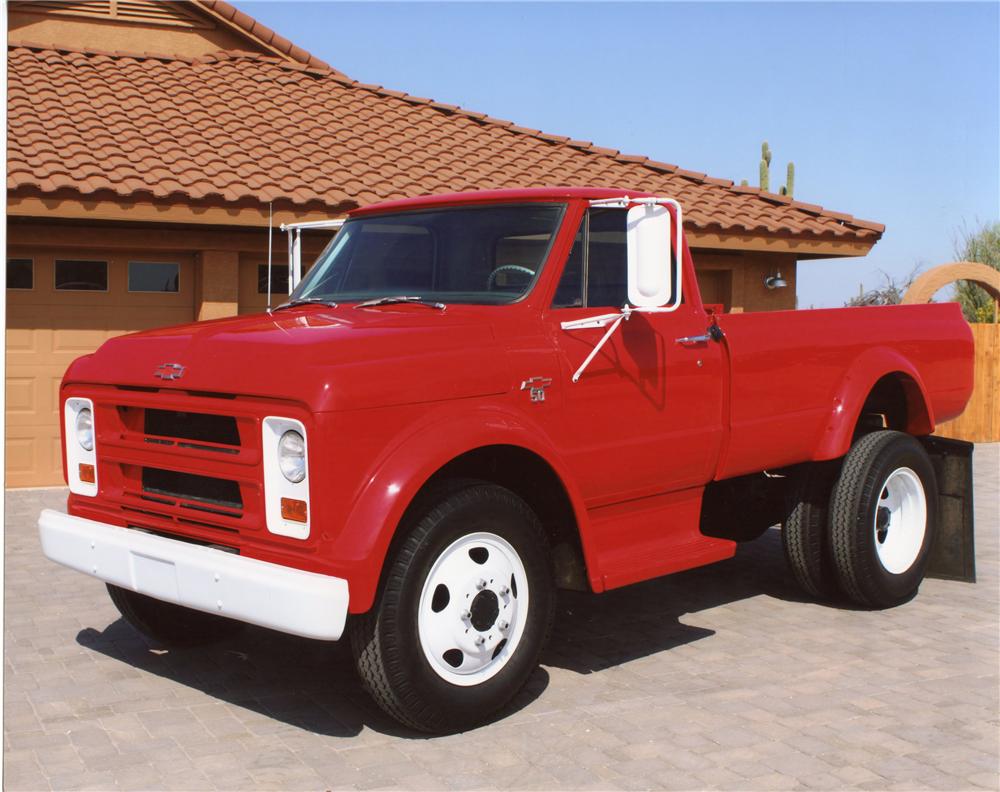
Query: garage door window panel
{"x": 279, "y": 279}
{"x": 153, "y": 276}
{"x": 20, "y": 274}
{"x": 81, "y": 275}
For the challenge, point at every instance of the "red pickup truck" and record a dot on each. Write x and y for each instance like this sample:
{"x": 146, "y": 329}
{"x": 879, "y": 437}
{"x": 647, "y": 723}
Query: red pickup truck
{"x": 472, "y": 400}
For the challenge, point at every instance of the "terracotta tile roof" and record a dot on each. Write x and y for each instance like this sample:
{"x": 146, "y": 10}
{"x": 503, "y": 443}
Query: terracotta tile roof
{"x": 242, "y": 128}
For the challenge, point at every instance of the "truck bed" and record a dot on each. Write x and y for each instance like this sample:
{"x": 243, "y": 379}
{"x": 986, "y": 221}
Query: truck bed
{"x": 793, "y": 375}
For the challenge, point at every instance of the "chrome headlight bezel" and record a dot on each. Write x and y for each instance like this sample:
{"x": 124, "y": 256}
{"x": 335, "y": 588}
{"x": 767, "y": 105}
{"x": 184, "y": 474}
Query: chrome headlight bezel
{"x": 278, "y": 487}
{"x": 78, "y": 456}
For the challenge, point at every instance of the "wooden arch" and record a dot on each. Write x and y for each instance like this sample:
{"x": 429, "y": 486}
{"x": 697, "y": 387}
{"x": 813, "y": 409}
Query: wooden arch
{"x": 924, "y": 287}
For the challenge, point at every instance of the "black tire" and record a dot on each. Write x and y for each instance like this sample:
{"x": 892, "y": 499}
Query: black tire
{"x": 805, "y": 533}
{"x": 386, "y": 641}
{"x": 857, "y": 538}
{"x": 169, "y": 624}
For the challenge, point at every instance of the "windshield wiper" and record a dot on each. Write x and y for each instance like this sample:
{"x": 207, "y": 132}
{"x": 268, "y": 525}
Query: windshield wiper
{"x": 401, "y": 298}
{"x": 306, "y": 301}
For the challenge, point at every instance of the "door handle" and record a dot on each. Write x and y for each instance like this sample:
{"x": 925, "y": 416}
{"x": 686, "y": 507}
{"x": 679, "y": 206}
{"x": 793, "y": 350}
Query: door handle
{"x": 692, "y": 340}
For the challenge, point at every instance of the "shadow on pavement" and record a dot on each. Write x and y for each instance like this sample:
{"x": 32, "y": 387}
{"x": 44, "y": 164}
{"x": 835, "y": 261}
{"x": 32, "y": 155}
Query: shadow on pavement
{"x": 313, "y": 684}
{"x": 309, "y": 684}
{"x": 597, "y": 631}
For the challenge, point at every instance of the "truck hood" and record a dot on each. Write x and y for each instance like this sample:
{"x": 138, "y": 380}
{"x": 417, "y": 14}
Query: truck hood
{"x": 326, "y": 358}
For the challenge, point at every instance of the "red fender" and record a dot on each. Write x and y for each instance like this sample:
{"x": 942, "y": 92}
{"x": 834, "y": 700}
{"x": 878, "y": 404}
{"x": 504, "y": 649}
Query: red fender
{"x": 416, "y": 456}
{"x": 867, "y": 369}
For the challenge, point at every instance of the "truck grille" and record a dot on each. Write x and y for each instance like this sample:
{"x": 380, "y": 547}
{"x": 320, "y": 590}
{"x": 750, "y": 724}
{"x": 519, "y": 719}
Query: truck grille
{"x": 202, "y": 428}
{"x": 190, "y": 487}
{"x": 180, "y": 463}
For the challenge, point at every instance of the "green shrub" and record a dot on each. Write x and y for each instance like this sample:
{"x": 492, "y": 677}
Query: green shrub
{"x": 982, "y": 246}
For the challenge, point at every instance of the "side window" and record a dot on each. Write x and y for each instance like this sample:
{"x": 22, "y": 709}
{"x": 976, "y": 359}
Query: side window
{"x": 607, "y": 270}
{"x": 596, "y": 271}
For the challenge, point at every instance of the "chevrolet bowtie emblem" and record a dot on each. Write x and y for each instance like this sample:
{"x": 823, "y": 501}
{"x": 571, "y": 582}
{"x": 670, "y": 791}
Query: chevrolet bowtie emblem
{"x": 169, "y": 371}
{"x": 536, "y": 387}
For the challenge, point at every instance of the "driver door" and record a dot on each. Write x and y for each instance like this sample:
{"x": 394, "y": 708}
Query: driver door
{"x": 645, "y": 418}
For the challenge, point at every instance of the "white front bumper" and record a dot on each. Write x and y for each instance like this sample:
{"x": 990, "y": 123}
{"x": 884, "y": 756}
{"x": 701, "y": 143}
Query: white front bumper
{"x": 203, "y": 578}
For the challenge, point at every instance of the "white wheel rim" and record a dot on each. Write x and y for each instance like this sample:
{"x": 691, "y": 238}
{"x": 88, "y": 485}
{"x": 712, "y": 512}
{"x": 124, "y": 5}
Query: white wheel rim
{"x": 900, "y": 520}
{"x": 470, "y": 637}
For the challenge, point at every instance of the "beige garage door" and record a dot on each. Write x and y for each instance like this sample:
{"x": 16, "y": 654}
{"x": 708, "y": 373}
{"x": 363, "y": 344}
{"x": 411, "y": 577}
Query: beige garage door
{"x": 61, "y": 305}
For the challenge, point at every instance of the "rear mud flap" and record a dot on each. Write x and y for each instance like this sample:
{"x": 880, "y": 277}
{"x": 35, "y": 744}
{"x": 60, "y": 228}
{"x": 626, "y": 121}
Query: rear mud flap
{"x": 953, "y": 555}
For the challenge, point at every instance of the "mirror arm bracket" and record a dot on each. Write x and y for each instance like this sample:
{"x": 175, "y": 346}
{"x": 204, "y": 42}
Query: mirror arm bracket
{"x": 626, "y": 312}
{"x": 600, "y": 321}
{"x": 623, "y": 202}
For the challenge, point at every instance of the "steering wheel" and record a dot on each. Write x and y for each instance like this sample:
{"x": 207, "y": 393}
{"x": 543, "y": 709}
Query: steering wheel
{"x": 491, "y": 280}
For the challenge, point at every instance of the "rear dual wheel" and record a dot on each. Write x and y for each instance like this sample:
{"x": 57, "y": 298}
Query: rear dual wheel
{"x": 805, "y": 533}
{"x": 882, "y": 519}
{"x": 866, "y": 531}
{"x": 464, "y": 612}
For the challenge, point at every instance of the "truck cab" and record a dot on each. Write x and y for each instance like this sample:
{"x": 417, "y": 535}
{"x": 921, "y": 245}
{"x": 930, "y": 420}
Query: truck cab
{"x": 471, "y": 400}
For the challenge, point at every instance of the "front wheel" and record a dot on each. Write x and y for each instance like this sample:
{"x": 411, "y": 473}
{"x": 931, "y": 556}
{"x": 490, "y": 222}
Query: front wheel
{"x": 465, "y": 610}
{"x": 883, "y": 517}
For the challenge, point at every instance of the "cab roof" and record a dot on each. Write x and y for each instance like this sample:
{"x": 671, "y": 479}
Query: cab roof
{"x": 498, "y": 196}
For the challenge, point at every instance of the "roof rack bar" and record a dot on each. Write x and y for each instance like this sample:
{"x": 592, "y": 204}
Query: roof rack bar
{"x": 625, "y": 200}
{"x": 314, "y": 224}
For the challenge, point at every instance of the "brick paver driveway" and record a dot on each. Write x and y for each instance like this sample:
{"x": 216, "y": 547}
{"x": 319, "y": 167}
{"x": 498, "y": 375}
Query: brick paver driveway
{"x": 721, "y": 677}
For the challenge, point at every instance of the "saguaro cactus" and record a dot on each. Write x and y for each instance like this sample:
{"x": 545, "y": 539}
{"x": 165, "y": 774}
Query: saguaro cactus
{"x": 765, "y": 167}
{"x": 765, "y": 173}
{"x": 789, "y": 188}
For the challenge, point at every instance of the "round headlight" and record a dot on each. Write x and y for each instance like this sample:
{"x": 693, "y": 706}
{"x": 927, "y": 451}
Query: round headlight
{"x": 85, "y": 429}
{"x": 292, "y": 456}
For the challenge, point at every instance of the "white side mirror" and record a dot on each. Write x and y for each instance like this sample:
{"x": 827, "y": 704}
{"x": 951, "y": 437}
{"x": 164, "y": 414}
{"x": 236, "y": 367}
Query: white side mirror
{"x": 647, "y": 234}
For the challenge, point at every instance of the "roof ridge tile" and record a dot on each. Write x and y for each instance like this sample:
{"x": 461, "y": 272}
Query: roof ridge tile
{"x": 263, "y": 33}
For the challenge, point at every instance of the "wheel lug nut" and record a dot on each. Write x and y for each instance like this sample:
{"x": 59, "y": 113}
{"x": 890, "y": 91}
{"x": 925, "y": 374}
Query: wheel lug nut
{"x": 480, "y": 640}
{"x": 504, "y": 591}
{"x": 503, "y": 625}
{"x": 466, "y": 615}
{"x": 481, "y": 584}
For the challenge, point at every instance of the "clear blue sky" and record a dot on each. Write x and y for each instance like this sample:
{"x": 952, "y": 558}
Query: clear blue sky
{"x": 889, "y": 110}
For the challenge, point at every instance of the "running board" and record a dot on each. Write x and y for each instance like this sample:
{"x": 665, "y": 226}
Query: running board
{"x": 651, "y": 537}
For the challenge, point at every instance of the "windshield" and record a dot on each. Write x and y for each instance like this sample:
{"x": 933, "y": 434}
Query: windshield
{"x": 487, "y": 254}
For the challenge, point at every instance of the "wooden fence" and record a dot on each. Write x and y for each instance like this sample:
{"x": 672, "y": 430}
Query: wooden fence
{"x": 980, "y": 422}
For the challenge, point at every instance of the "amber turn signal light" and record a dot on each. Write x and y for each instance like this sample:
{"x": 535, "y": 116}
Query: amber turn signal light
{"x": 294, "y": 510}
{"x": 87, "y": 474}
